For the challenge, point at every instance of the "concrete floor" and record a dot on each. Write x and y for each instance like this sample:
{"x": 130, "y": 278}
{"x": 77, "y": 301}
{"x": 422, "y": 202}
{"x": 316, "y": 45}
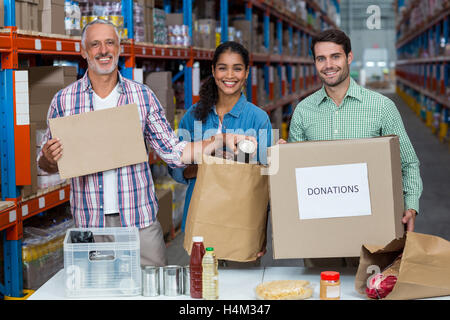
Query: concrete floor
{"x": 434, "y": 215}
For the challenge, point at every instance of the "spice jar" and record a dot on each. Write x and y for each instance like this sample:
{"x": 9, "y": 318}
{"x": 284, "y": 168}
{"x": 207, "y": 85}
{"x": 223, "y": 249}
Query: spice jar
{"x": 330, "y": 285}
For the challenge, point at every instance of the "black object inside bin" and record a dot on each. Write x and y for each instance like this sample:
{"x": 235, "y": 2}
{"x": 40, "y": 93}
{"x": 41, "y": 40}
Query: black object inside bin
{"x": 81, "y": 237}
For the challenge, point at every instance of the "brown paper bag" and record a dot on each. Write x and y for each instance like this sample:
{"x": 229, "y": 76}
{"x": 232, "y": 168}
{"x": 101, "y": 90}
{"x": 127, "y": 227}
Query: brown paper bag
{"x": 424, "y": 267}
{"x": 229, "y": 209}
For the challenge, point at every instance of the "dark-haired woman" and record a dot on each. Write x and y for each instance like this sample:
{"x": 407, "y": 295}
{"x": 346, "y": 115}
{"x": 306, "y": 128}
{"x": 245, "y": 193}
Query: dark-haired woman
{"x": 223, "y": 108}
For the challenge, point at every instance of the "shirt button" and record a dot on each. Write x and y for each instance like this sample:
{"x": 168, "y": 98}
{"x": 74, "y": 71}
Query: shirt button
{"x": 335, "y": 131}
{"x": 101, "y": 207}
{"x": 336, "y": 112}
{"x": 100, "y": 186}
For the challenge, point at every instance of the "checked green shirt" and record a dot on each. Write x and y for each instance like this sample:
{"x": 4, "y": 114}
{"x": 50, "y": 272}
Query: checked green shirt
{"x": 362, "y": 114}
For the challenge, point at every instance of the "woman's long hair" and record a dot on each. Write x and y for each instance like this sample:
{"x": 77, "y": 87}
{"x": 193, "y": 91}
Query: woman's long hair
{"x": 208, "y": 91}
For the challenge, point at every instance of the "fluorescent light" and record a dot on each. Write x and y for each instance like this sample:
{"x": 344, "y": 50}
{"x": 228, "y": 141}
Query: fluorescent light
{"x": 370, "y": 64}
{"x": 381, "y": 64}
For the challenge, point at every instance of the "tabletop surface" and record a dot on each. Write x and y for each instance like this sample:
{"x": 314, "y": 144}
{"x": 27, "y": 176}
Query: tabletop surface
{"x": 234, "y": 284}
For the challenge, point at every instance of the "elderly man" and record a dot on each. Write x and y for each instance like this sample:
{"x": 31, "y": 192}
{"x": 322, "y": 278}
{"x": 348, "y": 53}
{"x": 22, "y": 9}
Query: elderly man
{"x": 123, "y": 196}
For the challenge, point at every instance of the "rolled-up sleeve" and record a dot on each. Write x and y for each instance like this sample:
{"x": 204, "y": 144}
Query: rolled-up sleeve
{"x": 161, "y": 137}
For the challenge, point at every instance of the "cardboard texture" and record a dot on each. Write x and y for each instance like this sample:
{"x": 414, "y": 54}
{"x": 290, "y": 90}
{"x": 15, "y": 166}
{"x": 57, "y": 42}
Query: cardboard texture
{"x": 2, "y": 14}
{"x": 342, "y": 236}
{"x": 424, "y": 268}
{"x": 27, "y": 15}
{"x": 43, "y": 84}
{"x": 229, "y": 209}
{"x": 165, "y": 209}
{"x": 52, "y": 18}
{"x": 161, "y": 85}
{"x": 99, "y": 140}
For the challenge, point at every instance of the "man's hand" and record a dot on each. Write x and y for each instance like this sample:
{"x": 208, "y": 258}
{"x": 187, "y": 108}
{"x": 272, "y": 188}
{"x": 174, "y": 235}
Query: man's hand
{"x": 52, "y": 152}
{"x": 230, "y": 141}
{"x": 409, "y": 217}
{"x": 281, "y": 141}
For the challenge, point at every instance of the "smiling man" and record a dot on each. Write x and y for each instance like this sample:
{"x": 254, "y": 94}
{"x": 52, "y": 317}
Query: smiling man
{"x": 124, "y": 196}
{"x": 344, "y": 110}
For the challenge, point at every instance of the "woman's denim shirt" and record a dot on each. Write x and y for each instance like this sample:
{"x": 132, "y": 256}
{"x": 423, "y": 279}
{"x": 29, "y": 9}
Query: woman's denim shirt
{"x": 245, "y": 118}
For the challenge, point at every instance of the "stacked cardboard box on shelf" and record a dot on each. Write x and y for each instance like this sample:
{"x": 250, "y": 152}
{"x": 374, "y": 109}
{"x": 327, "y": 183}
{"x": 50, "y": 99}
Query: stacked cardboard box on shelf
{"x": 51, "y": 13}
{"x": 161, "y": 85}
{"x": 2, "y": 14}
{"x": 27, "y": 17}
{"x": 43, "y": 84}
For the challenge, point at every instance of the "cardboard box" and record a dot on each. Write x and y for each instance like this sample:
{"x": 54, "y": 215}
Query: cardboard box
{"x": 244, "y": 27}
{"x": 27, "y": 17}
{"x": 43, "y": 84}
{"x": 51, "y": 75}
{"x": 52, "y": 19}
{"x": 317, "y": 211}
{"x": 2, "y": 14}
{"x": 161, "y": 85}
{"x": 206, "y": 29}
{"x": 164, "y": 215}
{"x": 115, "y": 140}
{"x": 174, "y": 19}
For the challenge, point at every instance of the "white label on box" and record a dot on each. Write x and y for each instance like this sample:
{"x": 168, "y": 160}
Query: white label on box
{"x": 144, "y": 52}
{"x": 62, "y": 195}
{"x": 12, "y": 216}
{"x": 58, "y": 46}
{"x": 333, "y": 191}
{"x": 77, "y": 46}
{"x": 41, "y": 202}
{"x": 37, "y": 44}
{"x": 24, "y": 210}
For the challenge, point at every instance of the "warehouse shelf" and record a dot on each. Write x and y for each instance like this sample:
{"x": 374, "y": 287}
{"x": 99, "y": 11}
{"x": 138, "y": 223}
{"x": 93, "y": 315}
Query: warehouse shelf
{"x": 445, "y": 101}
{"x": 421, "y": 28}
{"x": 290, "y": 98}
{"x": 437, "y": 59}
{"x": 8, "y": 214}
{"x": 423, "y": 67}
{"x": 45, "y": 199}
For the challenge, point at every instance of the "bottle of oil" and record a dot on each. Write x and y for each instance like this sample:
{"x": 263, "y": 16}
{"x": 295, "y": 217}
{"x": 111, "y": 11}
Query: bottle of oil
{"x": 210, "y": 275}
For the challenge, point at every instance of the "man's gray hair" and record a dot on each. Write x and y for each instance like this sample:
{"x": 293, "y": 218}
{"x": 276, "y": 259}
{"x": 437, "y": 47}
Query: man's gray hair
{"x": 97, "y": 21}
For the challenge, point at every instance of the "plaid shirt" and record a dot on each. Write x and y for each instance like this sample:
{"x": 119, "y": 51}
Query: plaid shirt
{"x": 136, "y": 193}
{"x": 362, "y": 114}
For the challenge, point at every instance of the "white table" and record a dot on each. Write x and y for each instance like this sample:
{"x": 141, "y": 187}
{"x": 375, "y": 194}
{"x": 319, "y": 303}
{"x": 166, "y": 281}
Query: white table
{"x": 234, "y": 284}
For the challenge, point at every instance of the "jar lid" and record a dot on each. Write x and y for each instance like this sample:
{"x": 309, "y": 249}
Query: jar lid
{"x": 329, "y": 275}
{"x": 197, "y": 239}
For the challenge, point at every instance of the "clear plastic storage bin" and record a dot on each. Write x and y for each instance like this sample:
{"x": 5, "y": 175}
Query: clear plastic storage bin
{"x": 102, "y": 262}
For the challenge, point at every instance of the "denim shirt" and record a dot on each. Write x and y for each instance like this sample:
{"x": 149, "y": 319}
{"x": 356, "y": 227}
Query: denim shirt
{"x": 245, "y": 118}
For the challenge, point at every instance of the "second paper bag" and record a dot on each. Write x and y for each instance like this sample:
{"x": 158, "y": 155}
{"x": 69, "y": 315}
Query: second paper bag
{"x": 229, "y": 209}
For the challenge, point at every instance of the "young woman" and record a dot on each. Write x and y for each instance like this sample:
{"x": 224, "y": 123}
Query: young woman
{"x": 223, "y": 108}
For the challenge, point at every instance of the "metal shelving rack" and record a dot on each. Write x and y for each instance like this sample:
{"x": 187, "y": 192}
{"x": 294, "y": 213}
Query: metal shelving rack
{"x": 423, "y": 78}
{"x": 15, "y": 140}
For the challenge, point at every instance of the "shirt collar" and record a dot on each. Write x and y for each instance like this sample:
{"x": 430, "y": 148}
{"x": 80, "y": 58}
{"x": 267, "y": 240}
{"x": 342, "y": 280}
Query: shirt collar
{"x": 238, "y": 107}
{"x": 86, "y": 83}
{"x": 354, "y": 91}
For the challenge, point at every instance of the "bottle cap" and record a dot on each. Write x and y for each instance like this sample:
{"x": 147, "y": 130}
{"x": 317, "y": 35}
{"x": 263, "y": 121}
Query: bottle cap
{"x": 197, "y": 239}
{"x": 329, "y": 275}
{"x": 209, "y": 249}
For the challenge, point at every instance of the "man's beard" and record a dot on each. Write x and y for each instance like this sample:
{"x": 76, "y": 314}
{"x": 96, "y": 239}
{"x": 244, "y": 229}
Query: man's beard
{"x": 94, "y": 65}
{"x": 339, "y": 80}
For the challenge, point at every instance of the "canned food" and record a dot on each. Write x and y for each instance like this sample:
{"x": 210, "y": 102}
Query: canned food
{"x": 245, "y": 149}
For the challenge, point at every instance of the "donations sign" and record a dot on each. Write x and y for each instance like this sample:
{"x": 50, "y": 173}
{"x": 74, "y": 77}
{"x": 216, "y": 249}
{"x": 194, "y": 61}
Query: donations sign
{"x": 333, "y": 191}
